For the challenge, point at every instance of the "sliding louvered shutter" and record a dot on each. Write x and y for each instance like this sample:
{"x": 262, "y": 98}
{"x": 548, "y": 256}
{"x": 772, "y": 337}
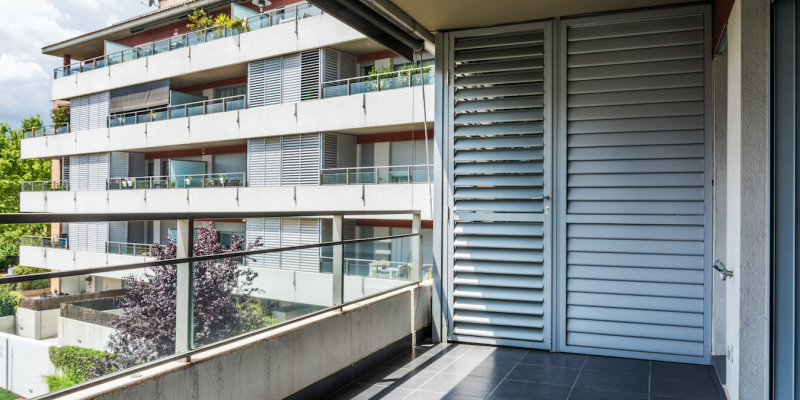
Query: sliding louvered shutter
{"x": 136, "y": 232}
{"x": 290, "y": 78}
{"x": 501, "y": 102}
{"x": 119, "y": 165}
{"x": 118, "y": 231}
{"x": 89, "y": 112}
{"x": 310, "y": 74}
{"x": 636, "y": 224}
{"x": 98, "y": 171}
{"x": 346, "y": 152}
{"x": 268, "y": 232}
{"x": 78, "y": 172}
{"x": 264, "y": 82}
{"x": 300, "y": 159}
{"x": 65, "y": 168}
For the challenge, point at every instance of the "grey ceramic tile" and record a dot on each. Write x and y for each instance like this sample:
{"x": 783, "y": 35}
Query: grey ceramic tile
{"x": 527, "y": 390}
{"x": 542, "y": 374}
{"x": 398, "y": 377}
{"x": 416, "y": 361}
{"x": 682, "y": 371}
{"x": 442, "y": 349}
{"x": 539, "y": 357}
{"x": 358, "y": 391}
{"x": 420, "y": 395}
{"x": 620, "y": 365}
{"x": 477, "y": 367}
{"x": 595, "y": 394}
{"x": 495, "y": 353}
{"x": 613, "y": 381}
{"x": 684, "y": 388}
{"x": 476, "y": 386}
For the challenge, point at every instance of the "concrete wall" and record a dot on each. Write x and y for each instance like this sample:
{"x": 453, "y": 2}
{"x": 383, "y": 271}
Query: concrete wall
{"x": 285, "y": 198}
{"x": 720, "y": 200}
{"x": 37, "y": 324}
{"x": 83, "y": 334}
{"x": 68, "y": 260}
{"x": 747, "y": 243}
{"x": 282, "y": 361}
{"x": 8, "y": 324}
{"x": 310, "y": 33}
{"x": 28, "y": 360}
{"x": 383, "y": 111}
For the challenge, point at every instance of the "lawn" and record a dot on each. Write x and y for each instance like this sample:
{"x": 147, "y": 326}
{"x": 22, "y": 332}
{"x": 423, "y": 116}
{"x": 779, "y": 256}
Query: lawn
{"x": 7, "y": 395}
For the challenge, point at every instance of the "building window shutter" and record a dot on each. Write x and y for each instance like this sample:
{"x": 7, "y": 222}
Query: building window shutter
{"x": 309, "y": 75}
{"x": 290, "y": 78}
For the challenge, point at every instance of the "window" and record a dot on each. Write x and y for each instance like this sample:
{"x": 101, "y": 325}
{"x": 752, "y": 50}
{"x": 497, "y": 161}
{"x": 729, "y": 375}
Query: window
{"x": 231, "y": 91}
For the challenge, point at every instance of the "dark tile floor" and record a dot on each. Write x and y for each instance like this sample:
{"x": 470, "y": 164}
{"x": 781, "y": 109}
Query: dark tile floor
{"x": 466, "y": 372}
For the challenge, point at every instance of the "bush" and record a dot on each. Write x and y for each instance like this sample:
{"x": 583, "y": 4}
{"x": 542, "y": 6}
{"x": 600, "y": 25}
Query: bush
{"x": 259, "y": 317}
{"x": 58, "y": 382}
{"x": 77, "y": 364}
{"x": 9, "y": 300}
{"x": 30, "y": 285}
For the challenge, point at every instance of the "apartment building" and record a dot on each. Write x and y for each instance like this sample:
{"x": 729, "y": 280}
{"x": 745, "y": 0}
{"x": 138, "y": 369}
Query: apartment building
{"x": 279, "y": 114}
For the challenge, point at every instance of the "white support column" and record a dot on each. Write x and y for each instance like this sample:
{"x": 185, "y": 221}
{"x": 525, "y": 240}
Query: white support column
{"x": 416, "y": 249}
{"x": 183, "y": 301}
{"x": 338, "y": 260}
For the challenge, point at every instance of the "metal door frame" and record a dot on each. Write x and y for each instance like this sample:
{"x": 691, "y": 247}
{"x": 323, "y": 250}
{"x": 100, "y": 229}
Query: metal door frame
{"x": 448, "y": 143}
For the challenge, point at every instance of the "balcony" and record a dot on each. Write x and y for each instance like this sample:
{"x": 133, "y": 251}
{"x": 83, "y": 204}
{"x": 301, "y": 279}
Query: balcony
{"x": 279, "y": 32}
{"x": 206, "y": 107}
{"x": 176, "y": 42}
{"x": 377, "y": 83}
{"x": 46, "y": 130}
{"x": 377, "y": 175}
{"x": 388, "y": 110}
{"x": 198, "y": 181}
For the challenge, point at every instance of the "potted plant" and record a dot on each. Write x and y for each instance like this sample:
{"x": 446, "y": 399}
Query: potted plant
{"x": 173, "y": 184}
{"x": 209, "y": 182}
{"x": 384, "y": 263}
{"x": 188, "y": 181}
{"x": 223, "y": 180}
{"x": 88, "y": 280}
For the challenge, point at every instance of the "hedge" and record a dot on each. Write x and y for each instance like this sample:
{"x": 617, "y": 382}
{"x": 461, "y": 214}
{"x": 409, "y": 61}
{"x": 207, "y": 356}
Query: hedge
{"x": 9, "y": 300}
{"x": 76, "y": 363}
{"x": 30, "y": 285}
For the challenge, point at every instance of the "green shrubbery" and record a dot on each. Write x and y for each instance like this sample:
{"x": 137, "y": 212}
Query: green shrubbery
{"x": 75, "y": 365}
{"x": 9, "y": 300}
{"x": 260, "y": 318}
{"x": 30, "y": 285}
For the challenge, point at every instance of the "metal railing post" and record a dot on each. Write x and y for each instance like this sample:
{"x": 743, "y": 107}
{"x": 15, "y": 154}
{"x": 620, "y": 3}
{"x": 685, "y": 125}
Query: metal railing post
{"x": 338, "y": 258}
{"x": 409, "y": 174}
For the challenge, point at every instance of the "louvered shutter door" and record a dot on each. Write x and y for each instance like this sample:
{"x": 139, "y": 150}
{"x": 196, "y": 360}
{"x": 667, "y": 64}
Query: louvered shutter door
{"x": 256, "y": 158}
{"x": 290, "y": 160}
{"x": 346, "y": 151}
{"x": 79, "y": 113}
{"x": 77, "y": 233}
{"x": 101, "y": 118}
{"x": 290, "y": 236}
{"x": 98, "y": 171}
{"x": 94, "y": 111}
{"x": 118, "y": 232}
{"x": 309, "y": 234}
{"x": 78, "y": 170}
{"x": 330, "y": 146}
{"x": 309, "y": 74}
{"x": 256, "y": 76}
{"x": 136, "y": 232}
{"x": 268, "y": 230}
{"x": 96, "y": 236}
{"x": 500, "y": 88}
{"x": 119, "y": 165}
{"x": 290, "y": 78}
{"x": 637, "y": 220}
{"x": 264, "y": 82}
{"x": 310, "y": 159}
{"x": 330, "y": 64}
{"x": 137, "y": 166}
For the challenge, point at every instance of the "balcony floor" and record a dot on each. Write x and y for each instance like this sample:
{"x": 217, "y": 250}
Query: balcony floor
{"x": 467, "y": 372}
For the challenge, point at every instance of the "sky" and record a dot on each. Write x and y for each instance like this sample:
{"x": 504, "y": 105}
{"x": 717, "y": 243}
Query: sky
{"x": 26, "y": 75}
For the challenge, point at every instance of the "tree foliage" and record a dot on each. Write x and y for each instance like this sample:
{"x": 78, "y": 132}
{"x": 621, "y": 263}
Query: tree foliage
{"x": 13, "y": 171}
{"x": 223, "y": 306}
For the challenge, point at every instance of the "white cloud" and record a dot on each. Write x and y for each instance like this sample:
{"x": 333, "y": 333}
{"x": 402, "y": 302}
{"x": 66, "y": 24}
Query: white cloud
{"x": 26, "y": 75}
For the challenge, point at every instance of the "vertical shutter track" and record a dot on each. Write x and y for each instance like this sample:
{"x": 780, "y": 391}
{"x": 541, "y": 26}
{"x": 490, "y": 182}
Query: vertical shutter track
{"x": 65, "y": 168}
{"x": 498, "y": 257}
{"x": 635, "y": 146}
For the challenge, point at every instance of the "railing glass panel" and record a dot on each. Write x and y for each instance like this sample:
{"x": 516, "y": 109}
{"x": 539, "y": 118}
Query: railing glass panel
{"x": 373, "y": 83}
{"x": 199, "y": 181}
{"x": 375, "y": 175}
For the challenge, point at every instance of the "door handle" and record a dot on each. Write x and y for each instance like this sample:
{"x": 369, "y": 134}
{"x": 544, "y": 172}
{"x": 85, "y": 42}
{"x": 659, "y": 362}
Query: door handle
{"x": 541, "y": 198}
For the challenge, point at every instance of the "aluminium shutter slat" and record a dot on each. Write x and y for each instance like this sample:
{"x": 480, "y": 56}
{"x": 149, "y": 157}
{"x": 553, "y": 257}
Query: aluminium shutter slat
{"x": 528, "y": 38}
{"x": 636, "y": 97}
{"x": 636, "y": 111}
{"x": 636, "y": 246}
{"x": 639, "y": 330}
{"x": 499, "y": 129}
{"x": 634, "y": 28}
{"x": 506, "y": 180}
{"x": 499, "y": 267}
{"x": 637, "y": 316}
{"x": 635, "y": 207}
{"x": 683, "y": 80}
{"x": 636, "y": 42}
{"x": 291, "y": 73}
{"x": 500, "y": 206}
{"x": 493, "y": 55}
{"x": 636, "y": 180}
{"x": 508, "y": 307}
{"x": 508, "y": 141}
{"x": 500, "y": 168}
{"x": 498, "y": 242}
{"x": 496, "y": 332}
{"x": 635, "y": 260}
{"x": 500, "y": 104}
{"x": 646, "y": 69}
{"x": 528, "y": 63}
{"x": 499, "y": 91}
{"x": 636, "y": 274}
{"x": 636, "y": 344}
{"x": 637, "y": 194}
{"x": 636, "y": 56}
{"x": 498, "y": 79}
{"x": 495, "y": 318}
{"x": 635, "y": 138}
{"x": 654, "y": 232}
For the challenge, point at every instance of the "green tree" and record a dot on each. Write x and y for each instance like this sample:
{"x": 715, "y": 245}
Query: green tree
{"x": 14, "y": 171}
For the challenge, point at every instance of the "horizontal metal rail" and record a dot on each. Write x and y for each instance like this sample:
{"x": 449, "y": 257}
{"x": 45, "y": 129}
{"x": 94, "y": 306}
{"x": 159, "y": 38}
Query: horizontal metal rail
{"x": 158, "y": 263}
{"x": 205, "y": 107}
{"x": 39, "y": 218}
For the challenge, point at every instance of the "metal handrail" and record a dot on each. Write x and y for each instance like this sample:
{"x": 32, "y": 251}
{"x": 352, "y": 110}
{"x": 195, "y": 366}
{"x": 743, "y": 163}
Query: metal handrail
{"x": 135, "y": 246}
{"x": 375, "y": 81}
{"x": 45, "y": 130}
{"x": 230, "y": 103}
{"x": 44, "y": 241}
{"x": 408, "y": 174}
{"x": 215, "y": 180}
{"x": 45, "y": 186}
{"x": 175, "y": 42}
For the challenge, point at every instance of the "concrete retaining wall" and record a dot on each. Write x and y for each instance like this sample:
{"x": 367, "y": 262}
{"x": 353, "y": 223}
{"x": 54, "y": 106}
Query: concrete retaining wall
{"x": 8, "y": 324}
{"x": 29, "y": 360}
{"x": 282, "y": 361}
{"x": 83, "y": 334}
